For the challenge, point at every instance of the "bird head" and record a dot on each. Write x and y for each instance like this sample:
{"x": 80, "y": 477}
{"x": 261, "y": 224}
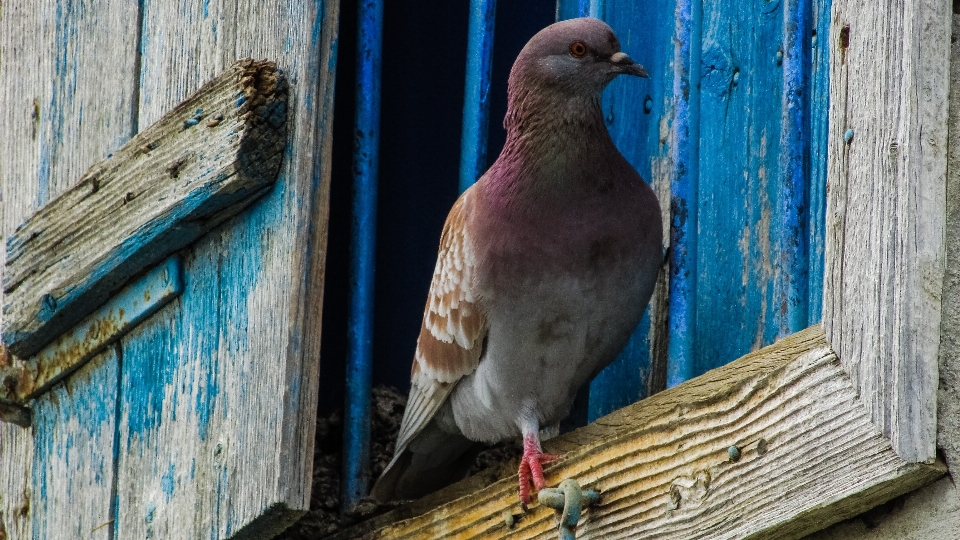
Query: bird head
{"x": 578, "y": 56}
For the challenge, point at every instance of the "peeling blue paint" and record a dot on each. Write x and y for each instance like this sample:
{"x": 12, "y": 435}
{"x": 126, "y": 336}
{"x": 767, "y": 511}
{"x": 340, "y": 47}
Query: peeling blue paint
{"x": 790, "y": 289}
{"x": 73, "y": 431}
{"x": 168, "y": 481}
{"x": 684, "y": 193}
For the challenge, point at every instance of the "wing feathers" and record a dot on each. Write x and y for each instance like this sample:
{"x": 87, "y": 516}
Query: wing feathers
{"x": 452, "y": 331}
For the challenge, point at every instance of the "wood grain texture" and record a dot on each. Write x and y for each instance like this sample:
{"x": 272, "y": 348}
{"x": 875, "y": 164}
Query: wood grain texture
{"x": 219, "y": 392}
{"x": 885, "y": 210}
{"x": 810, "y": 457}
{"x": 16, "y": 456}
{"x": 73, "y": 467}
{"x": 932, "y": 513}
{"x": 67, "y": 83}
{"x": 203, "y": 161}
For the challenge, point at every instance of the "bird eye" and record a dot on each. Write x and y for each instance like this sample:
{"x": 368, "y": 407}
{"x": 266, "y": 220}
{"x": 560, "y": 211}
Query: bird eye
{"x": 578, "y": 49}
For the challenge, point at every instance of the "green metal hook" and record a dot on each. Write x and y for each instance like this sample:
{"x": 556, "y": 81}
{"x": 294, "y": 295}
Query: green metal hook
{"x": 569, "y": 501}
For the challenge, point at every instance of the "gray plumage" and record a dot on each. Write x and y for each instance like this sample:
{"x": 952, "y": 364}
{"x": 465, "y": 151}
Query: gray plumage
{"x": 545, "y": 267}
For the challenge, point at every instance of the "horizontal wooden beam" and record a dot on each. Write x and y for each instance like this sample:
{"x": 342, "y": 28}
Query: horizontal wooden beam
{"x": 809, "y": 456}
{"x": 201, "y": 163}
{"x": 26, "y": 379}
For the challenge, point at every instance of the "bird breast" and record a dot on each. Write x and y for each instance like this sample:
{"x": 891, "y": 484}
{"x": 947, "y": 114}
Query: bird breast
{"x": 560, "y": 305}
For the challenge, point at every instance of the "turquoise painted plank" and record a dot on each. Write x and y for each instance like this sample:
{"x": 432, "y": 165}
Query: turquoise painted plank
{"x": 741, "y": 84}
{"x": 74, "y": 430}
{"x": 819, "y": 117}
{"x": 219, "y": 387}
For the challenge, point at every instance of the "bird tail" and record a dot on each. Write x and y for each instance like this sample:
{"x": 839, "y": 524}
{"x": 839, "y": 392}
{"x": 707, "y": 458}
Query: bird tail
{"x": 434, "y": 459}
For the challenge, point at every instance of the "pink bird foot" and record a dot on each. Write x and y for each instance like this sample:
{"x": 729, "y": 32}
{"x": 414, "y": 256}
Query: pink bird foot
{"x": 531, "y": 468}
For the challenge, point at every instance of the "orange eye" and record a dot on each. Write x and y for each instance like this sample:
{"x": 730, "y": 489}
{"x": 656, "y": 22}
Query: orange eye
{"x": 578, "y": 48}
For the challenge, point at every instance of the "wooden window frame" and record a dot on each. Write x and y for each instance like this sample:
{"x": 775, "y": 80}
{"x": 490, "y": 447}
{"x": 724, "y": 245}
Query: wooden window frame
{"x": 828, "y": 422}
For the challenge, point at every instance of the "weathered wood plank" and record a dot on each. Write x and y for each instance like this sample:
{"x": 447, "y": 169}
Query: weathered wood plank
{"x": 932, "y": 513}
{"x": 67, "y": 83}
{"x": 101, "y": 328}
{"x": 16, "y": 456}
{"x": 220, "y": 386}
{"x": 198, "y": 165}
{"x": 810, "y": 457}
{"x": 885, "y": 218}
{"x": 73, "y": 466}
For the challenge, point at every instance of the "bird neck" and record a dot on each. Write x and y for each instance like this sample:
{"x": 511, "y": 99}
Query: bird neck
{"x": 555, "y": 147}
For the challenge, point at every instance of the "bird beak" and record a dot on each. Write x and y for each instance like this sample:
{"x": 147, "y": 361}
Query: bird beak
{"x": 627, "y": 65}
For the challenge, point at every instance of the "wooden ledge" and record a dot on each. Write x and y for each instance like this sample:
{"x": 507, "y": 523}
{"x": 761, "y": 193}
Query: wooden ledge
{"x": 206, "y": 159}
{"x": 809, "y": 457}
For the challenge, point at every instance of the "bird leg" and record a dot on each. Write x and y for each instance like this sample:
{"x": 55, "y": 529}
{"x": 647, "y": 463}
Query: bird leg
{"x": 531, "y": 470}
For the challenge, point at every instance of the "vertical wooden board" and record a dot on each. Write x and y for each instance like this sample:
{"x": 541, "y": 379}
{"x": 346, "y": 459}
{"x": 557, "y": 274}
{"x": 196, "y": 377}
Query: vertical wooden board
{"x": 229, "y": 372}
{"x": 16, "y": 455}
{"x": 884, "y": 253}
{"x": 74, "y": 427}
{"x": 86, "y": 109}
{"x": 20, "y": 91}
{"x": 820, "y": 47}
{"x": 740, "y": 121}
{"x": 21, "y": 86}
{"x": 637, "y": 114}
{"x": 67, "y": 79}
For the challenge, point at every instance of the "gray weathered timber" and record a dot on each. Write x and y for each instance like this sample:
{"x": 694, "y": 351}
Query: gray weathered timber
{"x": 810, "y": 456}
{"x": 16, "y": 458}
{"x": 217, "y": 429}
{"x": 885, "y": 218}
{"x": 84, "y": 408}
{"x": 68, "y": 80}
{"x": 932, "y": 513}
{"x": 199, "y": 164}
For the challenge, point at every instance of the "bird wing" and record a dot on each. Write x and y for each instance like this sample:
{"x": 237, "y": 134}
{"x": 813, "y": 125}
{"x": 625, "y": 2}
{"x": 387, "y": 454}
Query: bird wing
{"x": 453, "y": 328}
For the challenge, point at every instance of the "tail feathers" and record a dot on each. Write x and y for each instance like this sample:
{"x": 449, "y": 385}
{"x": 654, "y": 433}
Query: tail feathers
{"x": 434, "y": 459}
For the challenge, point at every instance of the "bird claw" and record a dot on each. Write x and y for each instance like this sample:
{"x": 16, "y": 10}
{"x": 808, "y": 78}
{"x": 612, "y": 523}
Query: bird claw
{"x": 531, "y": 473}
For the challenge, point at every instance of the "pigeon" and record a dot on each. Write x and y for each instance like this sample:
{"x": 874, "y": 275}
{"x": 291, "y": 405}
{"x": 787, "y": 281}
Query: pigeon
{"x": 544, "y": 269}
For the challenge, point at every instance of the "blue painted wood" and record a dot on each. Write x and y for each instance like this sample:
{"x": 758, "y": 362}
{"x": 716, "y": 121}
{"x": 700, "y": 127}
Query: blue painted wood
{"x": 158, "y": 194}
{"x": 746, "y": 160}
{"x": 356, "y": 440}
{"x": 741, "y": 115}
{"x": 218, "y": 388}
{"x": 476, "y": 99}
{"x": 74, "y": 433}
{"x": 791, "y": 287}
{"x": 819, "y": 106}
{"x": 684, "y": 193}
{"x": 569, "y": 9}
{"x": 102, "y": 328}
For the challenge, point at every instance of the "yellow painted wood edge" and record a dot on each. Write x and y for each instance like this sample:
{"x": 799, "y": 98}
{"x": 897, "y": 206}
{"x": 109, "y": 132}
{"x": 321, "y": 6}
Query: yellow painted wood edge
{"x": 810, "y": 456}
